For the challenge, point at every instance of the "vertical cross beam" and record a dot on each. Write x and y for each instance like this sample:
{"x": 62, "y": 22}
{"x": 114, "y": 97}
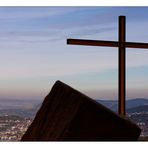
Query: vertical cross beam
{"x": 122, "y": 66}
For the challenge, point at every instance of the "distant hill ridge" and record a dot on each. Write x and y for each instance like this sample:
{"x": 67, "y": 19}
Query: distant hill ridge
{"x": 16, "y": 108}
{"x": 131, "y": 103}
{"x": 138, "y": 109}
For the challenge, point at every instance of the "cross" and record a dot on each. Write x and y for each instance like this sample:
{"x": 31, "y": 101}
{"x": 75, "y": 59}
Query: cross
{"x": 121, "y": 44}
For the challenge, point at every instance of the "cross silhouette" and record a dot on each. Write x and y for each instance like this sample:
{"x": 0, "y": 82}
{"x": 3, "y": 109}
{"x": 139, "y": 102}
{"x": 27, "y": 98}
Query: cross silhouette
{"x": 121, "y": 44}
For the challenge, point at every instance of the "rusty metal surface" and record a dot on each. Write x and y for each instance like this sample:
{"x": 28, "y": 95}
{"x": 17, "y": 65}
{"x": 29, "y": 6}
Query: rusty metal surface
{"x": 122, "y": 66}
{"x": 106, "y": 43}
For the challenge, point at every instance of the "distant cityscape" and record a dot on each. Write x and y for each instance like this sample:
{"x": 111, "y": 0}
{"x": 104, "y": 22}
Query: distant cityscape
{"x": 141, "y": 119}
{"x": 15, "y": 122}
{"x": 12, "y": 128}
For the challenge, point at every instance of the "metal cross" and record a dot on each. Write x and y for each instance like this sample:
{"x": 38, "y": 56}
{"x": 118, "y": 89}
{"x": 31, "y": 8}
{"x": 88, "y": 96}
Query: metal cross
{"x": 121, "y": 44}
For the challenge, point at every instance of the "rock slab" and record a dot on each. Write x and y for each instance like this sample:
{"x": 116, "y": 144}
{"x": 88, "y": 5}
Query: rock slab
{"x": 68, "y": 115}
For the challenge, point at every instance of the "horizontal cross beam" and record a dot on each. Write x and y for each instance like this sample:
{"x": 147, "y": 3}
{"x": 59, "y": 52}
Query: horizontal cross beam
{"x": 106, "y": 43}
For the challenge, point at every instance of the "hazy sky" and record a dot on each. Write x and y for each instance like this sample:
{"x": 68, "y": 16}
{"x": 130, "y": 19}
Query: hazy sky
{"x": 34, "y": 54}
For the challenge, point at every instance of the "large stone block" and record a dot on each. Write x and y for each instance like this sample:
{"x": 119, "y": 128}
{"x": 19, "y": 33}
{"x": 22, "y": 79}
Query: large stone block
{"x": 68, "y": 115}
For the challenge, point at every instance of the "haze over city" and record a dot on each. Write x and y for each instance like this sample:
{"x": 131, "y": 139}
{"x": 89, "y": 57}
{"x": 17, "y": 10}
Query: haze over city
{"x": 34, "y": 53}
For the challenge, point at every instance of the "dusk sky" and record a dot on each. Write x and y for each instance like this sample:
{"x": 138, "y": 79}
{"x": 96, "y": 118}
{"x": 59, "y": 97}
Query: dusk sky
{"x": 34, "y": 53}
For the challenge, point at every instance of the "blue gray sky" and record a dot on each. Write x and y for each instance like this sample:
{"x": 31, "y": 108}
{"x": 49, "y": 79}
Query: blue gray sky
{"x": 34, "y": 54}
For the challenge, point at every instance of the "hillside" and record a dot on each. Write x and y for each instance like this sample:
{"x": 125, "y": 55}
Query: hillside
{"x": 29, "y": 108}
{"x": 131, "y": 103}
{"x": 142, "y": 108}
